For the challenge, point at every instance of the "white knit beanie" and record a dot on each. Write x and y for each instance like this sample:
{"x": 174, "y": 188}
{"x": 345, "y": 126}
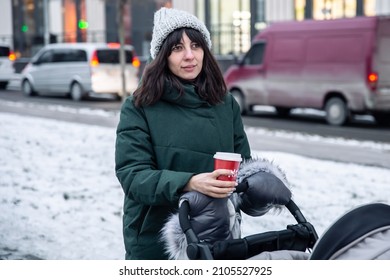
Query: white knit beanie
{"x": 168, "y": 20}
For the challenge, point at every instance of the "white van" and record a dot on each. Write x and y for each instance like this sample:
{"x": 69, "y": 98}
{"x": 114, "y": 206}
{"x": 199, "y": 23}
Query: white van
{"x": 7, "y": 59}
{"x": 80, "y": 70}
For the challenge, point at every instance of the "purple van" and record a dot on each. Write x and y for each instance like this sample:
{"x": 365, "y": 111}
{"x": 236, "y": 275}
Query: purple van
{"x": 341, "y": 66}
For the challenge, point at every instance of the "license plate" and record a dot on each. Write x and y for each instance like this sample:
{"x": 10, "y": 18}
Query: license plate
{"x": 112, "y": 72}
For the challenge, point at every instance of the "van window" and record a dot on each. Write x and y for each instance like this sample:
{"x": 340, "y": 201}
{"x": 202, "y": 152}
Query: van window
{"x": 69, "y": 55}
{"x": 255, "y": 54}
{"x": 46, "y": 57}
{"x": 112, "y": 56}
{"x": 4, "y": 51}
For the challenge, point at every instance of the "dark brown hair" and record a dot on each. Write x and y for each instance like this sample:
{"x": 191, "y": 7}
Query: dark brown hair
{"x": 210, "y": 84}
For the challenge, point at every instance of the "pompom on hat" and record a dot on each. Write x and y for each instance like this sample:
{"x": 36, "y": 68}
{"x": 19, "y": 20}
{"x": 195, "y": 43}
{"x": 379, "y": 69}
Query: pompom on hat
{"x": 167, "y": 20}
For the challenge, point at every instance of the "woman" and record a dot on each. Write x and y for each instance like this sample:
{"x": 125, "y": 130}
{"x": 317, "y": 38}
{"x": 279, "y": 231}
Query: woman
{"x": 169, "y": 130}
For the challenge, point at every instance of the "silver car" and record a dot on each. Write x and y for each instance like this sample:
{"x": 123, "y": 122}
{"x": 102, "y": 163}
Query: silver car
{"x": 79, "y": 70}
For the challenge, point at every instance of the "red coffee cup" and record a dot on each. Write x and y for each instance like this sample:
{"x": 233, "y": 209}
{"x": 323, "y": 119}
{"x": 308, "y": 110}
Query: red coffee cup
{"x": 227, "y": 161}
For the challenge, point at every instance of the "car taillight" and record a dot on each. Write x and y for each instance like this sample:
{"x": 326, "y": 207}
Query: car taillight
{"x": 12, "y": 56}
{"x": 113, "y": 45}
{"x": 94, "y": 59}
{"x": 136, "y": 62}
{"x": 372, "y": 80}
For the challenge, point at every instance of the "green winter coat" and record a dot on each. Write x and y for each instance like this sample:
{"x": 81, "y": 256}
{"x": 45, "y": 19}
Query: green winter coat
{"x": 158, "y": 149}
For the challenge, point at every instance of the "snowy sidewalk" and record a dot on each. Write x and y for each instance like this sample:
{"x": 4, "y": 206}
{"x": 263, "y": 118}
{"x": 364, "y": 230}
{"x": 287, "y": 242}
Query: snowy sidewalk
{"x": 60, "y": 199}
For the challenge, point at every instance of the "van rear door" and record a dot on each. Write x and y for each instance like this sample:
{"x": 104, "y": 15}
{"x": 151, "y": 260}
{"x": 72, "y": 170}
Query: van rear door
{"x": 6, "y": 65}
{"x": 382, "y": 57}
{"x": 106, "y": 75}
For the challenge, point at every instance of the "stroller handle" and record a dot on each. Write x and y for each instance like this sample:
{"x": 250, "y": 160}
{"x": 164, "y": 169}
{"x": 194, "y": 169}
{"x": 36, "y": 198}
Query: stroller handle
{"x": 303, "y": 233}
{"x": 195, "y": 249}
{"x": 296, "y": 212}
{"x": 185, "y": 224}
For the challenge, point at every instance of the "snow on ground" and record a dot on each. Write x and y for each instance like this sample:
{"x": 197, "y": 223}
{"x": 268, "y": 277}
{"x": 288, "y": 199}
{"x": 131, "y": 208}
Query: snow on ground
{"x": 60, "y": 199}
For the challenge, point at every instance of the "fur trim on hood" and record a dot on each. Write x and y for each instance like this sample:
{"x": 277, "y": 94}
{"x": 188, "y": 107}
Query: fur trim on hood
{"x": 174, "y": 239}
{"x": 255, "y": 165}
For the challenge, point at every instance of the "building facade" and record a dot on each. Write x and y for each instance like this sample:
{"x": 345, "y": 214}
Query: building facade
{"x": 27, "y": 25}
{"x": 234, "y": 23}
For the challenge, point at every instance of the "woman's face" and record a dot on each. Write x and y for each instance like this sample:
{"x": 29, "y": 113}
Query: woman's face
{"x": 186, "y": 59}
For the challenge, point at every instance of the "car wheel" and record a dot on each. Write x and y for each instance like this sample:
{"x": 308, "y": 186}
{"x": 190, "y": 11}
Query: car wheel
{"x": 76, "y": 92}
{"x": 240, "y": 100}
{"x": 3, "y": 85}
{"x": 283, "y": 112}
{"x": 27, "y": 88}
{"x": 118, "y": 97}
{"x": 336, "y": 111}
{"x": 382, "y": 119}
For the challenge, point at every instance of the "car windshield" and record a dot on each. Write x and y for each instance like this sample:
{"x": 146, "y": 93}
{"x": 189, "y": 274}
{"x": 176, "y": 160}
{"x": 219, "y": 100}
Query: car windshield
{"x": 112, "y": 56}
{"x": 4, "y": 51}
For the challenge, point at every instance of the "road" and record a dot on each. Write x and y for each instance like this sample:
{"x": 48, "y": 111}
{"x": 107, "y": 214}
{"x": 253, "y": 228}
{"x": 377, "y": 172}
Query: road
{"x": 363, "y": 129}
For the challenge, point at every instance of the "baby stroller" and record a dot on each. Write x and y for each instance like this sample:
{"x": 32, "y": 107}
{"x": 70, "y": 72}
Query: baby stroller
{"x": 299, "y": 237}
{"x": 361, "y": 234}
{"x": 207, "y": 228}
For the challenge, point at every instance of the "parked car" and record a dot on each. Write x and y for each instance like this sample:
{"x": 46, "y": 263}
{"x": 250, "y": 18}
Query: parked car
{"x": 7, "y": 58}
{"x": 341, "y": 66}
{"x": 79, "y": 70}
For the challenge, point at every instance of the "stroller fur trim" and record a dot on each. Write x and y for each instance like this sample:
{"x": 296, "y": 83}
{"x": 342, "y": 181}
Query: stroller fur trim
{"x": 172, "y": 235}
{"x": 174, "y": 238}
{"x": 255, "y": 165}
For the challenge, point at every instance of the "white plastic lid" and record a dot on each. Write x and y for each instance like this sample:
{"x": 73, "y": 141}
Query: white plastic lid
{"x": 228, "y": 156}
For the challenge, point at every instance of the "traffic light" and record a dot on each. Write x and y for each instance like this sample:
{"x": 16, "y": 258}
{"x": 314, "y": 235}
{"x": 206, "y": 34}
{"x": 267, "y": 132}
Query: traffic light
{"x": 82, "y": 24}
{"x": 24, "y": 28}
